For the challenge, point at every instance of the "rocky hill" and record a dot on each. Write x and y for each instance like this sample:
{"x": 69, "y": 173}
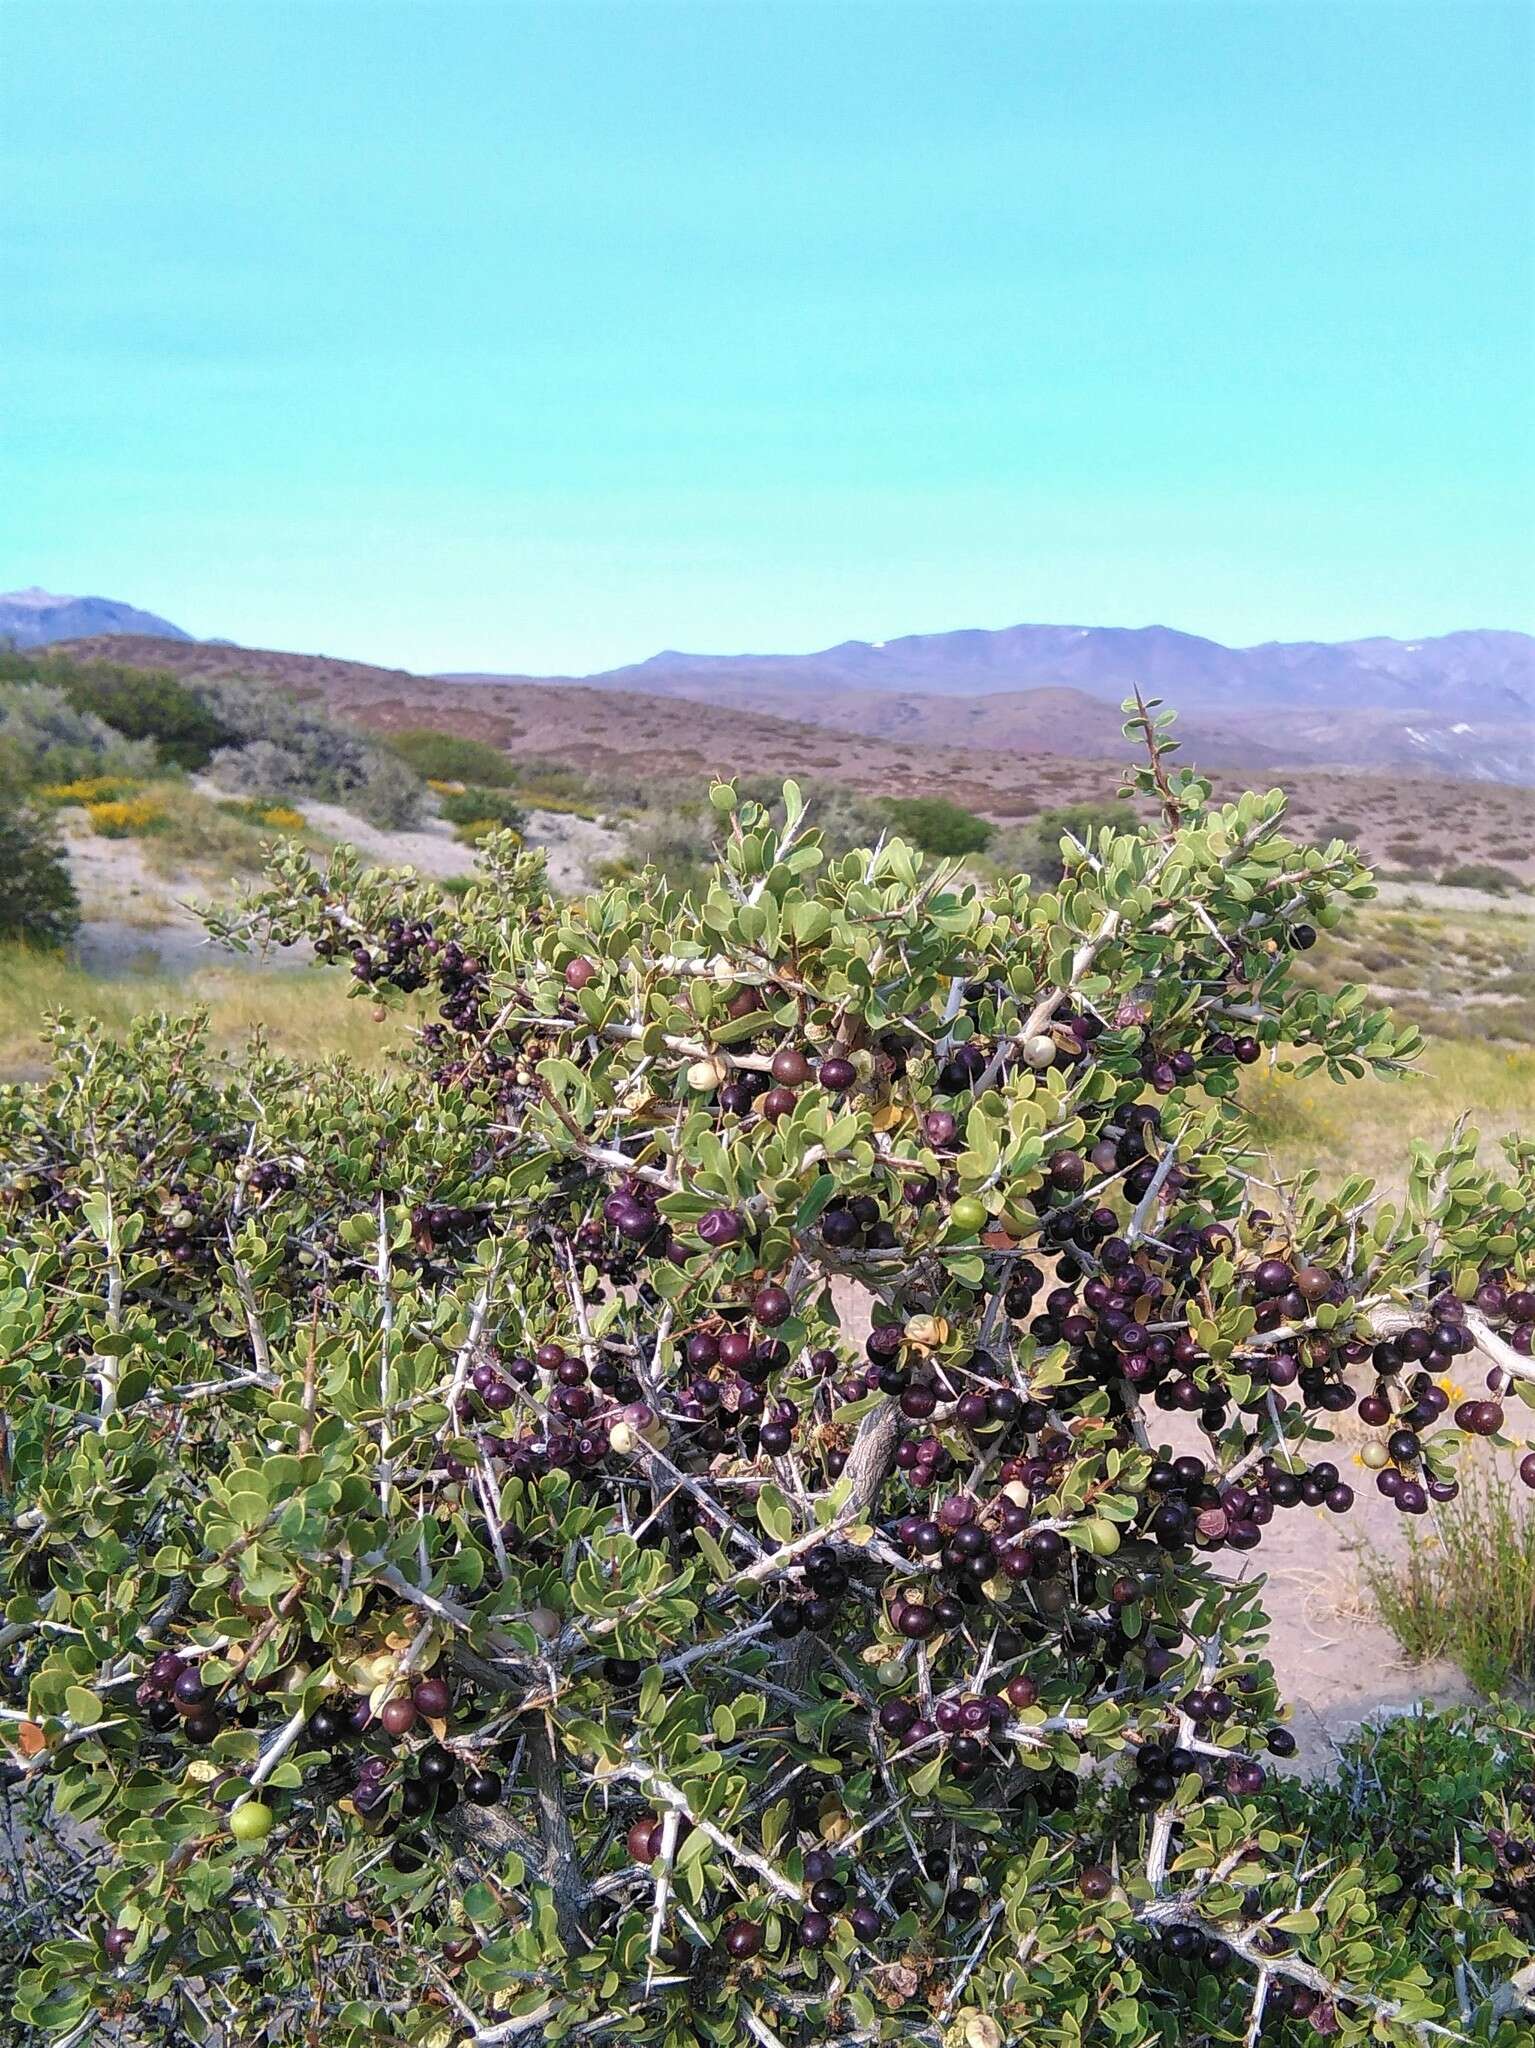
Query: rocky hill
{"x": 37, "y": 618}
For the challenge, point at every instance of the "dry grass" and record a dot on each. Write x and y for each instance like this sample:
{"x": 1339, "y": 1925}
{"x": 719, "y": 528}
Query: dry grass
{"x": 1466, "y": 1590}
{"x": 1366, "y": 1125}
{"x": 1463, "y": 974}
{"x": 302, "y": 1011}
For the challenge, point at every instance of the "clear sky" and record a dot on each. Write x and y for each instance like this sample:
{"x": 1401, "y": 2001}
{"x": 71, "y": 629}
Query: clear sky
{"x": 543, "y": 334}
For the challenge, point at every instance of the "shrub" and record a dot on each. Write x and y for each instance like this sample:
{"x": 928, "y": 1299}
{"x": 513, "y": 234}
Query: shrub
{"x": 1035, "y": 849}
{"x": 139, "y": 704}
{"x": 38, "y": 903}
{"x": 482, "y": 808}
{"x": 1443, "y": 1807}
{"x": 677, "y": 843}
{"x": 1412, "y": 855}
{"x": 125, "y": 817}
{"x": 90, "y": 789}
{"x": 438, "y": 756}
{"x": 43, "y": 738}
{"x": 475, "y": 830}
{"x": 1481, "y": 874}
{"x": 938, "y": 825}
{"x": 386, "y": 792}
{"x": 480, "y": 1579}
{"x": 286, "y": 750}
{"x": 258, "y": 811}
{"x": 560, "y": 805}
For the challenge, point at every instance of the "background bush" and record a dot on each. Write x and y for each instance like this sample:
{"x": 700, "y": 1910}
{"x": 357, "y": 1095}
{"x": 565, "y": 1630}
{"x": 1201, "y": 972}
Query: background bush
{"x": 1477, "y": 874}
{"x": 44, "y": 738}
{"x": 938, "y": 825}
{"x": 38, "y": 903}
{"x": 141, "y": 704}
{"x": 449, "y": 757}
{"x": 287, "y": 750}
{"x": 1034, "y": 849}
{"x": 482, "y": 806}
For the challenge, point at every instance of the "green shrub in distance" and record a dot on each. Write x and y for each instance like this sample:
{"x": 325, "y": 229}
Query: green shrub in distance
{"x": 481, "y": 807}
{"x": 450, "y": 757}
{"x": 44, "y": 739}
{"x": 141, "y": 704}
{"x": 1035, "y": 849}
{"x": 624, "y": 1639}
{"x": 1481, "y": 874}
{"x": 939, "y": 825}
{"x": 38, "y": 902}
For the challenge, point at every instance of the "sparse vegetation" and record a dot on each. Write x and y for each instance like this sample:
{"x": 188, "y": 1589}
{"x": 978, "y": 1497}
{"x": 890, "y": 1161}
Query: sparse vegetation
{"x": 1303, "y": 1123}
{"x": 1466, "y": 1588}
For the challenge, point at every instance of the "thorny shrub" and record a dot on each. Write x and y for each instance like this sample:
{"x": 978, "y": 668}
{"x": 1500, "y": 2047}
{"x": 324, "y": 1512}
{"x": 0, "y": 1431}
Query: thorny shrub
{"x": 476, "y": 1572}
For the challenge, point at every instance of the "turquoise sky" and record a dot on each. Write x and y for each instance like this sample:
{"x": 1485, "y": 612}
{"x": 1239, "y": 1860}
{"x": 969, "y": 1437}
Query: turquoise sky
{"x": 545, "y": 333}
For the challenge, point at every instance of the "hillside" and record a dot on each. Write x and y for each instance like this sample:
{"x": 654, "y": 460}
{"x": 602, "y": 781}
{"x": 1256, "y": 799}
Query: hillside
{"x": 39, "y": 618}
{"x": 1462, "y": 704}
{"x": 1007, "y": 773}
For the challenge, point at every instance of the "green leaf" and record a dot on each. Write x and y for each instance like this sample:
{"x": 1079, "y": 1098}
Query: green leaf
{"x": 775, "y": 1514}
{"x": 82, "y": 1706}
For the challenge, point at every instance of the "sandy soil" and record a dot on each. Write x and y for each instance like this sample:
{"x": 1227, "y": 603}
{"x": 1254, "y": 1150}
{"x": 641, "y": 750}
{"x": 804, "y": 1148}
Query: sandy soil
{"x": 576, "y": 848}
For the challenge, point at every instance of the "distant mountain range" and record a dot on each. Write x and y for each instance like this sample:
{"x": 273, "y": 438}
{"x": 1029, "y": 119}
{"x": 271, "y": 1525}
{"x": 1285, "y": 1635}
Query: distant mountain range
{"x": 1461, "y": 704}
{"x": 36, "y": 618}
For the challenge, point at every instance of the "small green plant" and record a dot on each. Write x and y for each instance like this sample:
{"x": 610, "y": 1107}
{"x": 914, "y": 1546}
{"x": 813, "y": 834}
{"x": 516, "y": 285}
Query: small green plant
{"x": 485, "y": 809}
{"x": 1466, "y": 1589}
